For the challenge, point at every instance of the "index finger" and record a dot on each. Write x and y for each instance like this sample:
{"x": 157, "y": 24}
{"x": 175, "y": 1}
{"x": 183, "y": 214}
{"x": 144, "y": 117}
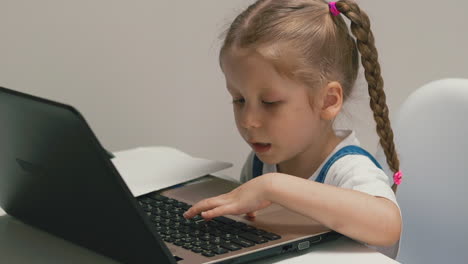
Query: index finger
{"x": 202, "y": 206}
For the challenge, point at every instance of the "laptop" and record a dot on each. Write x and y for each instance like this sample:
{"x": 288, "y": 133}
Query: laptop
{"x": 56, "y": 176}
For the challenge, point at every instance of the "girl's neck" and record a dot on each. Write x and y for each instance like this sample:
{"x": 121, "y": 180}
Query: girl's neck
{"x": 306, "y": 163}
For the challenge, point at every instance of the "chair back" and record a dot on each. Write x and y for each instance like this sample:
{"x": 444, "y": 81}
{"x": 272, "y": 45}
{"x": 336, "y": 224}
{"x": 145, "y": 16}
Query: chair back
{"x": 431, "y": 132}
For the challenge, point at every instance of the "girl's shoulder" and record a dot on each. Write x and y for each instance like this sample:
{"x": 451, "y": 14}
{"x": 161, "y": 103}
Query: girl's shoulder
{"x": 360, "y": 173}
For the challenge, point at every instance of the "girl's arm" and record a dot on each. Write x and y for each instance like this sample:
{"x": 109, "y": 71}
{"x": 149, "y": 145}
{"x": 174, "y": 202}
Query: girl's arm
{"x": 370, "y": 219}
{"x": 366, "y": 218}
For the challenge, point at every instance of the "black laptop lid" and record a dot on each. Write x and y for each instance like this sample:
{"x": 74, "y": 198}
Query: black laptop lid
{"x": 55, "y": 175}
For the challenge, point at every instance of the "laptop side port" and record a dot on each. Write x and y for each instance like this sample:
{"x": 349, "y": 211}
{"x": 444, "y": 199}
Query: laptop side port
{"x": 287, "y": 248}
{"x": 303, "y": 245}
{"x": 306, "y": 244}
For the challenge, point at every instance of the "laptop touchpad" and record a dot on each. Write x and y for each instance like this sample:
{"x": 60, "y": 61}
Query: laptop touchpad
{"x": 209, "y": 187}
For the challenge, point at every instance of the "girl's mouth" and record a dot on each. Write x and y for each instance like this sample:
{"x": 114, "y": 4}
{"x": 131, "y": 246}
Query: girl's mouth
{"x": 261, "y": 147}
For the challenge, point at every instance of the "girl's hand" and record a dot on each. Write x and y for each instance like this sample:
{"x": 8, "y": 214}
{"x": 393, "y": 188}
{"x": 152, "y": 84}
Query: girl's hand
{"x": 247, "y": 198}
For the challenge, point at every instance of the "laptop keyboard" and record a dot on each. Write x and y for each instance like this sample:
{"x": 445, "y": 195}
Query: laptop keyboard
{"x": 209, "y": 238}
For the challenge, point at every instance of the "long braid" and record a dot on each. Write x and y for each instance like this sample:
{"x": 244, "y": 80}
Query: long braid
{"x": 360, "y": 27}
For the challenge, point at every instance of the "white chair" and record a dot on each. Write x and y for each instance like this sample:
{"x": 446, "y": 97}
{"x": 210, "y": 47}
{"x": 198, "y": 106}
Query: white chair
{"x": 431, "y": 132}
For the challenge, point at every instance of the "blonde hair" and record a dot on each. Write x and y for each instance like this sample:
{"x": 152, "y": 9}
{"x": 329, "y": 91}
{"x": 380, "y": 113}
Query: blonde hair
{"x": 304, "y": 41}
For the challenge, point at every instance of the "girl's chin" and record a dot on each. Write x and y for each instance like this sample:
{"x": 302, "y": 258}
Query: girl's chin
{"x": 268, "y": 158}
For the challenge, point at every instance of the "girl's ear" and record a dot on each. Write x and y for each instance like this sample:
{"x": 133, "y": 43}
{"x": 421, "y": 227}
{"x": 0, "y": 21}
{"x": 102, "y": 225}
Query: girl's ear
{"x": 332, "y": 101}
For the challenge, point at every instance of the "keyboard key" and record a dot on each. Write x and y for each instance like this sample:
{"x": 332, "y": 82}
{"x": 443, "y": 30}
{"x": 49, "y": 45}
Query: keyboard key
{"x": 198, "y": 243}
{"x": 165, "y": 221}
{"x": 168, "y": 239}
{"x": 177, "y": 235}
{"x": 216, "y": 240}
{"x": 254, "y": 238}
{"x": 185, "y": 229}
{"x": 197, "y": 233}
{"x": 155, "y": 203}
{"x": 230, "y": 229}
{"x": 228, "y": 236}
{"x": 258, "y": 232}
{"x": 180, "y": 204}
{"x": 208, "y": 247}
{"x": 248, "y": 228}
{"x": 197, "y": 249}
{"x": 146, "y": 207}
{"x": 271, "y": 236}
{"x": 189, "y": 239}
{"x": 230, "y": 246}
{"x": 168, "y": 232}
{"x": 170, "y": 201}
{"x": 146, "y": 200}
{"x": 219, "y": 250}
{"x": 167, "y": 207}
{"x": 156, "y": 218}
{"x": 158, "y": 197}
{"x": 242, "y": 242}
{"x": 178, "y": 211}
{"x": 216, "y": 232}
{"x": 208, "y": 253}
{"x": 175, "y": 225}
{"x": 239, "y": 225}
{"x": 163, "y": 228}
{"x": 198, "y": 224}
{"x": 187, "y": 222}
{"x": 178, "y": 243}
{"x": 224, "y": 220}
{"x": 214, "y": 224}
{"x": 205, "y": 237}
{"x": 187, "y": 246}
{"x": 177, "y": 218}
{"x": 197, "y": 217}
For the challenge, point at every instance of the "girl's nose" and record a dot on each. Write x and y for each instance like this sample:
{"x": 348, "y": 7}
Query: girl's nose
{"x": 250, "y": 118}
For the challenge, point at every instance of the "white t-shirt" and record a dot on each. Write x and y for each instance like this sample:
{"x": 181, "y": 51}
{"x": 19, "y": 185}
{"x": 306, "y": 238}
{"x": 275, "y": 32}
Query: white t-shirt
{"x": 354, "y": 171}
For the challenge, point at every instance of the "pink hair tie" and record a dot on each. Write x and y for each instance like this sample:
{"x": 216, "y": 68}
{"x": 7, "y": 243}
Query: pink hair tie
{"x": 333, "y": 10}
{"x": 398, "y": 177}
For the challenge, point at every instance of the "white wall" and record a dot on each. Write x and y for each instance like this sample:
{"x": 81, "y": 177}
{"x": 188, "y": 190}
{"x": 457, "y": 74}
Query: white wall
{"x": 145, "y": 72}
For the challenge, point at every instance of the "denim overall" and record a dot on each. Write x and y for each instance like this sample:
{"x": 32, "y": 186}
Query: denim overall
{"x": 257, "y": 168}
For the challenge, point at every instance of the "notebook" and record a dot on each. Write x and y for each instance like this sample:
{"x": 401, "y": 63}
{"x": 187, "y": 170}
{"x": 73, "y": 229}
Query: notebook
{"x": 56, "y": 176}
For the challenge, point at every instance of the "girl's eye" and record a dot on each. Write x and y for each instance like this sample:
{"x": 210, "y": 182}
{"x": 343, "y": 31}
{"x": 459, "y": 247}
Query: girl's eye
{"x": 238, "y": 101}
{"x": 270, "y": 103}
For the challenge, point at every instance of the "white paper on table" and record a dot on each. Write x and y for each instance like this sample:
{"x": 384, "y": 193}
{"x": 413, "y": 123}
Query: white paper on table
{"x": 147, "y": 169}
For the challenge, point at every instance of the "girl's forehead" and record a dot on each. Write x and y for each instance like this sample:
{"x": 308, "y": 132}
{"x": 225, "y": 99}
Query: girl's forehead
{"x": 250, "y": 69}
{"x": 249, "y": 72}
{"x": 236, "y": 61}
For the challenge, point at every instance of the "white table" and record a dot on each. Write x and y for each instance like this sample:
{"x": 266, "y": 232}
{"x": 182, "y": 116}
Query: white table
{"x": 20, "y": 243}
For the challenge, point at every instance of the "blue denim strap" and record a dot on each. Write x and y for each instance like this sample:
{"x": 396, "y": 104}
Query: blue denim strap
{"x": 257, "y": 167}
{"x": 348, "y": 150}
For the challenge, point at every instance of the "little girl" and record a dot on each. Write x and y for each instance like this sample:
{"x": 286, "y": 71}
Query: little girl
{"x": 289, "y": 66}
